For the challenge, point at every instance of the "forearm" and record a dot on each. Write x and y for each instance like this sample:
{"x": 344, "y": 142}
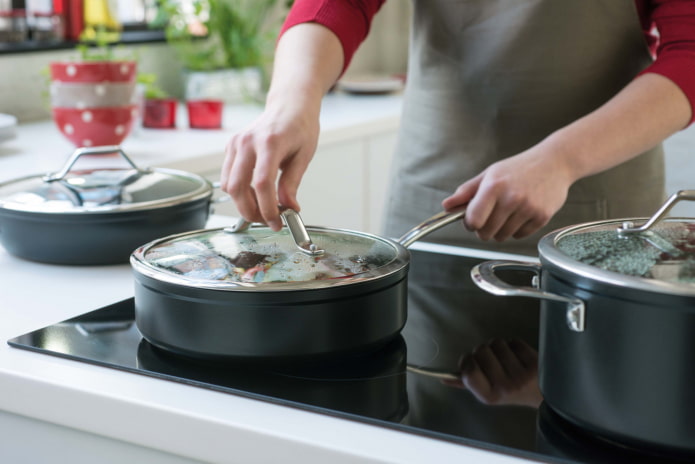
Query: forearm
{"x": 308, "y": 61}
{"x": 647, "y": 111}
{"x": 517, "y": 196}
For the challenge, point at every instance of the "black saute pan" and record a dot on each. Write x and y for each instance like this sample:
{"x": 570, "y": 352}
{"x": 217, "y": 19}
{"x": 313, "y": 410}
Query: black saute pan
{"x": 251, "y": 293}
{"x": 98, "y": 215}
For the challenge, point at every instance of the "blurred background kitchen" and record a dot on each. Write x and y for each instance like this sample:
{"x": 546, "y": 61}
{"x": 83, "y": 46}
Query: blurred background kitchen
{"x": 36, "y": 32}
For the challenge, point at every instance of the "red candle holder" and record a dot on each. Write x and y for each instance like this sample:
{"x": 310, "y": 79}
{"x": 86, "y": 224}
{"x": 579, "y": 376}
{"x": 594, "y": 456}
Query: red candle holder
{"x": 205, "y": 114}
{"x": 160, "y": 113}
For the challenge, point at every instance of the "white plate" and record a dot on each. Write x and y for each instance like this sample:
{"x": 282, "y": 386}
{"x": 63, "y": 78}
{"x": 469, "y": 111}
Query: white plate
{"x": 8, "y": 124}
{"x": 370, "y": 84}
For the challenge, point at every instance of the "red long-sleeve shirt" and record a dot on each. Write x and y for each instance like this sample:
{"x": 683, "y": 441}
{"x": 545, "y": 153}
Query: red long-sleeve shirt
{"x": 673, "y": 46}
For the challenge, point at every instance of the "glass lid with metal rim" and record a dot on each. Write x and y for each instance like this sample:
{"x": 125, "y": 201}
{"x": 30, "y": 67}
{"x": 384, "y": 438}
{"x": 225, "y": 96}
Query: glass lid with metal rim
{"x": 258, "y": 257}
{"x": 296, "y": 258}
{"x": 660, "y": 249}
{"x": 101, "y": 189}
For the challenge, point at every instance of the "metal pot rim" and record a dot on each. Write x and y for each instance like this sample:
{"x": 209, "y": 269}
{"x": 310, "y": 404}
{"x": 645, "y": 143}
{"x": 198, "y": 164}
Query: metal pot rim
{"x": 202, "y": 191}
{"x": 550, "y": 255}
{"x": 400, "y": 261}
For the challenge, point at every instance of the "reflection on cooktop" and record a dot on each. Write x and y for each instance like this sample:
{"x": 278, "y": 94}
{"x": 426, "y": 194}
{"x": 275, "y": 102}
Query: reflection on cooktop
{"x": 460, "y": 392}
{"x": 560, "y": 438}
{"x": 372, "y": 387}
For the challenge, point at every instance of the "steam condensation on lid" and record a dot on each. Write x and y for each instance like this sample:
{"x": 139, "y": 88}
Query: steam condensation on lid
{"x": 666, "y": 253}
{"x": 266, "y": 257}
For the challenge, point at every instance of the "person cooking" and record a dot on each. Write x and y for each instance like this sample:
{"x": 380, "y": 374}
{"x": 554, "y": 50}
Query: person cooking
{"x": 525, "y": 111}
{"x": 534, "y": 114}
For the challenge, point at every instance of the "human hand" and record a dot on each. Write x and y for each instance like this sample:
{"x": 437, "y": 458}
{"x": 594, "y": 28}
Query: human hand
{"x": 514, "y": 197}
{"x": 265, "y": 162}
{"x": 501, "y": 373}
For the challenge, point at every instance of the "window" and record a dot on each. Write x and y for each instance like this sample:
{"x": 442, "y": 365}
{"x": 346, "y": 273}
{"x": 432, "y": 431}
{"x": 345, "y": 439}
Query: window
{"x": 27, "y": 25}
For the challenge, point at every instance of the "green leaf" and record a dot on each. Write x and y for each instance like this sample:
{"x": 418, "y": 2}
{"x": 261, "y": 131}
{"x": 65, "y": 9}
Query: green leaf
{"x": 240, "y": 33}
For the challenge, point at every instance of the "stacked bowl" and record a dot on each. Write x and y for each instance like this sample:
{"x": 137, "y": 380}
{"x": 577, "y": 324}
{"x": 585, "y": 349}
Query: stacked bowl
{"x": 94, "y": 102}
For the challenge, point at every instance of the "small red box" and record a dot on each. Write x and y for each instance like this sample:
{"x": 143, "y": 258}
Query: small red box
{"x": 205, "y": 114}
{"x": 160, "y": 113}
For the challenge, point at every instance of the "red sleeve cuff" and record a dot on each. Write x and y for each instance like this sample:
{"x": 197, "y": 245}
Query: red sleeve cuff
{"x": 675, "y": 49}
{"x": 349, "y": 20}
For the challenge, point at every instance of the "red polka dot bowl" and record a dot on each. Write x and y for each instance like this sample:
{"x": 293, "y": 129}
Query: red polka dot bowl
{"x": 93, "y": 71}
{"x": 95, "y": 126}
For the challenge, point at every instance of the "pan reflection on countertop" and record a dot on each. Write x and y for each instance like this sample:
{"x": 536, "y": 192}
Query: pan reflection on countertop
{"x": 370, "y": 385}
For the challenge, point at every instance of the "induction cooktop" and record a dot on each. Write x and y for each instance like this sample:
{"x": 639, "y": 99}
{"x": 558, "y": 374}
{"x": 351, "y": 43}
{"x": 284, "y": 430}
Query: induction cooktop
{"x": 405, "y": 385}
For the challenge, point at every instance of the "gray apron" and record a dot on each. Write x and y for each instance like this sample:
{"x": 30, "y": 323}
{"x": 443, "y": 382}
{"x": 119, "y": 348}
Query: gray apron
{"x": 488, "y": 79}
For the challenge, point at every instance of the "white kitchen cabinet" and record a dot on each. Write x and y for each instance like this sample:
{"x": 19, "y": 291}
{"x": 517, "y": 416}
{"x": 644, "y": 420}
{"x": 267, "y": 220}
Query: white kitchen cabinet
{"x": 19, "y": 436}
{"x": 345, "y": 186}
{"x": 379, "y": 157}
{"x": 333, "y": 191}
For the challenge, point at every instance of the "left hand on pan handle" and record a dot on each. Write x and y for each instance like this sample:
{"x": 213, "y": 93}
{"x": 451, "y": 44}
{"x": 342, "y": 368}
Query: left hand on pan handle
{"x": 501, "y": 372}
{"x": 513, "y": 198}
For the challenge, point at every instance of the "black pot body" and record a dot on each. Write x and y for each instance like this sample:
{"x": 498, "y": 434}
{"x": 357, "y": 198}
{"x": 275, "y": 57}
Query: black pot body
{"x": 629, "y": 376}
{"x": 97, "y": 238}
{"x": 268, "y": 325}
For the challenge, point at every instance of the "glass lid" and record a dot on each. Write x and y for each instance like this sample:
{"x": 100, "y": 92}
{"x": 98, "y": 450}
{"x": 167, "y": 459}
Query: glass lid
{"x": 665, "y": 252}
{"x": 260, "y": 258}
{"x": 101, "y": 189}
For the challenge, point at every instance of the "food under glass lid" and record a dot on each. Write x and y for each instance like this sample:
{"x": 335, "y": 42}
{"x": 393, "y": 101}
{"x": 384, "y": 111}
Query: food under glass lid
{"x": 654, "y": 254}
{"x": 665, "y": 253}
{"x": 262, "y": 259}
{"x": 101, "y": 189}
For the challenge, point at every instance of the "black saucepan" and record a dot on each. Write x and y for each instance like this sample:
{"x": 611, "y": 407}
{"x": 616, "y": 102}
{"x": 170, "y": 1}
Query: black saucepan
{"x": 98, "y": 215}
{"x": 257, "y": 294}
{"x": 617, "y": 327}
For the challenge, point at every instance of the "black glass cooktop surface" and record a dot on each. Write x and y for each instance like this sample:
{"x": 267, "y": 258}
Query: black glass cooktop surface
{"x": 405, "y": 385}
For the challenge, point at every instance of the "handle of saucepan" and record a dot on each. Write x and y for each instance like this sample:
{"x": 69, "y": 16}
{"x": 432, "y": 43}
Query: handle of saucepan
{"x": 103, "y": 150}
{"x": 428, "y": 226}
{"x": 485, "y": 276}
{"x": 436, "y": 374}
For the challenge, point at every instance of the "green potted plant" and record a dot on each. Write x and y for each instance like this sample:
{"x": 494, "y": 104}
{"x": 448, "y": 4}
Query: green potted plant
{"x": 224, "y": 45}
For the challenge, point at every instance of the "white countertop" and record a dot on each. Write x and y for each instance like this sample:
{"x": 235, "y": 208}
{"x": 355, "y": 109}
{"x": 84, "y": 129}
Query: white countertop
{"x": 183, "y": 420}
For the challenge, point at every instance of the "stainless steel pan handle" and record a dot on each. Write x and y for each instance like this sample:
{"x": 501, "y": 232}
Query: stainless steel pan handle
{"x": 428, "y": 226}
{"x": 428, "y": 372}
{"x": 294, "y": 224}
{"x": 296, "y": 227}
{"x": 484, "y": 276}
